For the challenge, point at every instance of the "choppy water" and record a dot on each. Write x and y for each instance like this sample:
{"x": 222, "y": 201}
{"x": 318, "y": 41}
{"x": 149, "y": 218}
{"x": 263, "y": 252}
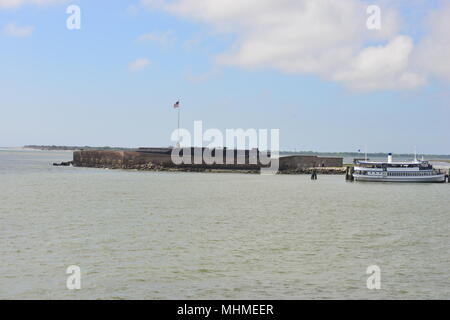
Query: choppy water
{"x": 215, "y": 236}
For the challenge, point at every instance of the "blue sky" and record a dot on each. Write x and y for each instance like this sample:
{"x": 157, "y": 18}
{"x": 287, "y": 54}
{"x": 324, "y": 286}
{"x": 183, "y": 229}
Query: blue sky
{"x": 77, "y": 87}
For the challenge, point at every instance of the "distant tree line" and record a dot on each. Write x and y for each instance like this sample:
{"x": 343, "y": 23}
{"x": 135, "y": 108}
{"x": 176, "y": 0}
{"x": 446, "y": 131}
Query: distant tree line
{"x": 361, "y": 154}
{"x": 312, "y": 153}
{"x": 72, "y": 148}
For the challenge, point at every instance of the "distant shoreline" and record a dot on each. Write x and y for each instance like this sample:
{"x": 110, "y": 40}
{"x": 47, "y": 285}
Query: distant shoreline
{"x": 73, "y": 148}
{"x": 330, "y": 154}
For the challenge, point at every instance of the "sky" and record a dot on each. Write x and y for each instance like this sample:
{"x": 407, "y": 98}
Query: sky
{"x": 311, "y": 68}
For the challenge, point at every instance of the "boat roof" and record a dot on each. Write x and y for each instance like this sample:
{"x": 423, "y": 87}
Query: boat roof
{"x": 393, "y": 162}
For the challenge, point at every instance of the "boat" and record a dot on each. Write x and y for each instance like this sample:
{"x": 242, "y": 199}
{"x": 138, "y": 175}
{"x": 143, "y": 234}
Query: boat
{"x": 397, "y": 171}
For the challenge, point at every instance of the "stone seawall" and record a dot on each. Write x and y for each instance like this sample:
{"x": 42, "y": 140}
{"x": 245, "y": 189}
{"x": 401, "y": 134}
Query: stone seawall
{"x": 147, "y": 161}
{"x": 300, "y": 162}
{"x": 154, "y": 161}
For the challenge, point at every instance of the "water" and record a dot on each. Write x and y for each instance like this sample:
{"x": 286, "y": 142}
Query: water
{"x": 147, "y": 235}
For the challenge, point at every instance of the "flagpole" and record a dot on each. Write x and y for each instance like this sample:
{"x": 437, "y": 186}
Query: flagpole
{"x": 178, "y": 126}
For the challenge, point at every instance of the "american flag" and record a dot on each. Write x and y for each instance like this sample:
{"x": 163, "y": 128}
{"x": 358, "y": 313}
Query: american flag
{"x": 177, "y": 104}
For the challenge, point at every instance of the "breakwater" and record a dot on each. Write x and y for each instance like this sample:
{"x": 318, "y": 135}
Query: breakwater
{"x": 319, "y": 170}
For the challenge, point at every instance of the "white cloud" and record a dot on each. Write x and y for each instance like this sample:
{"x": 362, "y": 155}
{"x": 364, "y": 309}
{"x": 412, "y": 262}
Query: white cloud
{"x": 138, "y": 64}
{"x": 433, "y": 51}
{"x": 162, "y": 38}
{"x": 10, "y": 3}
{"x": 14, "y": 30}
{"x": 382, "y": 66}
{"x": 327, "y": 38}
{"x": 18, "y": 3}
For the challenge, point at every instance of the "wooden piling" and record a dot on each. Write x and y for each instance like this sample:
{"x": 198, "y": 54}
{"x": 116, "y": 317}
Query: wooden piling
{"x": 349, "y": 173}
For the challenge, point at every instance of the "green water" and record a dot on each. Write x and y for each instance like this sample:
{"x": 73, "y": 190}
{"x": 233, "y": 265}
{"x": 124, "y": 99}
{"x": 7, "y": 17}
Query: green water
{"x": 147, "y": 235}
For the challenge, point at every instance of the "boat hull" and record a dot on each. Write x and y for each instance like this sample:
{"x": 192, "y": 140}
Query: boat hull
{"x": 413, "y": 179}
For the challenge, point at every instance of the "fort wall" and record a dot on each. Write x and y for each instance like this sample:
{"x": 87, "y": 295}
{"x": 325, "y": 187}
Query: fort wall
{"x": 160, "y": 159}
{"x": 302, "y": 162}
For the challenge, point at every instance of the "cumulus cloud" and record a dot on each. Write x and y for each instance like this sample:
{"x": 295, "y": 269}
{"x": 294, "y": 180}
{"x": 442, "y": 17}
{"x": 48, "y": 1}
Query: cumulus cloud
{"x": 14, "y": 30}
{"x": 386, "y": 65}
{"x": 327, "y": 38}
{"x": 18, "y": 3}
{"x": 138, "y": 64}
{"x": 433, "y": 51}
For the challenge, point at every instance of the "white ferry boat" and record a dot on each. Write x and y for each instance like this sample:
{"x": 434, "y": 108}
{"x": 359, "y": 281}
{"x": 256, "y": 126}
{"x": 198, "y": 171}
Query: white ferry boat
{"x": 390, "y": 171}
